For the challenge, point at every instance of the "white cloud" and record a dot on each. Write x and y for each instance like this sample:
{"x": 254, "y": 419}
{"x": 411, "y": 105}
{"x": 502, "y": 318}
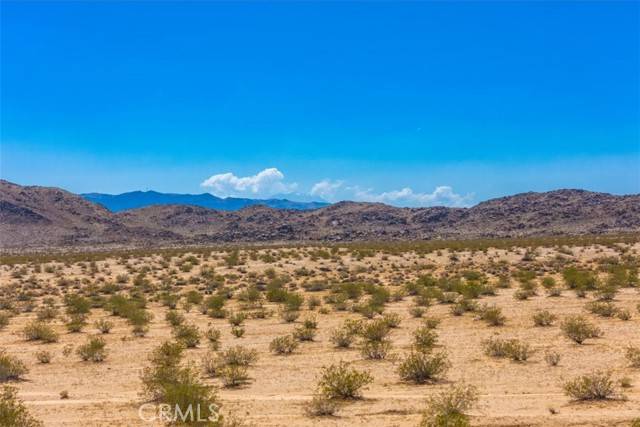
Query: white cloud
{"x": 326, "y": 189}
{"x": 441, "y": 196}
{"x": 264, "y": 184}
{"x": 444, "y": 195}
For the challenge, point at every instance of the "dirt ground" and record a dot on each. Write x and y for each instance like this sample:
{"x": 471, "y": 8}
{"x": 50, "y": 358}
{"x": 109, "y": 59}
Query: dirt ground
{"x": 510, "y": 393}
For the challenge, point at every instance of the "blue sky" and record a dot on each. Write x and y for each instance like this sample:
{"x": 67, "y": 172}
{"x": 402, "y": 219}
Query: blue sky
{"x": 406, "y": 103}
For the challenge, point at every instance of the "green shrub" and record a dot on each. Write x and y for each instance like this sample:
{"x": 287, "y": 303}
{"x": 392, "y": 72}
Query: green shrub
{"x": 392, "y": 320}
{"x": 420, "y": 367}
{"x": 303, "y": 333}
{"x": 283, "y": 345}
{"x": 239, "y": 356}
{"x": 602, "y": 308}
{"x": 13, "y": 413}
{"x": 187, "y": 334}
{"x": 424, "y": 339}
{"x": 93, "y": 350}
{"x": 237, "y": 331}
{"x": 447, "y": 409}
{"x": 511, "y": 348}
{"x": 76, "y": 323}
{"x": 342, "y": 382}
{"x": 342, "y": 337}
{"x": 174, "y": 318}
{"x": 492, "y": 315}
{"x": 40, "y": 331}
{"x": 375, "y": 330}
{"x": 233, "y": 375}
{"x": 578, "y": 329}
{"x": 596, "y": 385}
{"x": 213, "y": 338}
{"x": 289, "y": 316}
{"x": 11, "y": 368}
{"x": 104, "y": 326}
{"x": 376, "y": 350}
{"x": 544, "y": 318}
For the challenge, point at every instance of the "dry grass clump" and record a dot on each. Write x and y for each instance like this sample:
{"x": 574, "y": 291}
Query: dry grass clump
{"x": 507, "y": 348}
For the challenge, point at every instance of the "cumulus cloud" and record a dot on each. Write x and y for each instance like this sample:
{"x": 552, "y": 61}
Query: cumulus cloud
{"x": 326, "y": 189}
{"x": 442, "y": 196}
{"x": 264, "y": 184}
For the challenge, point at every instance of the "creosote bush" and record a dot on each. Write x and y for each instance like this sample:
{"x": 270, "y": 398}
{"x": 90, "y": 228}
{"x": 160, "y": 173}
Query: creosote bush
{"x": 283, "y": 345}
{"x": 40, "y": 331}
{"x": 597, "y": 385}
{"x": 11, "y": 368}
{"x": 544, "y": 318}
{"x": 93, "y": 350}
{"x": 579, "y": 329}
{"x": 340, "y": 381}
{"x": 419, "y": 367}
{"x": 447, "y": 409}
{"x": 13, "y": 413}
{"x": 509, "y": 348}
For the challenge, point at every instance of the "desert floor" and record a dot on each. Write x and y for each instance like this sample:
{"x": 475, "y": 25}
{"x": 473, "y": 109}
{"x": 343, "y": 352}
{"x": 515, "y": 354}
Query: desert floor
{"x": 510, "y": 393}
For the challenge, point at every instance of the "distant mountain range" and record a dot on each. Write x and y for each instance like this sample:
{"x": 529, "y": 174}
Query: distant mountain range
{"x": 44, "y": 217}
{"x": 142, "y": 199}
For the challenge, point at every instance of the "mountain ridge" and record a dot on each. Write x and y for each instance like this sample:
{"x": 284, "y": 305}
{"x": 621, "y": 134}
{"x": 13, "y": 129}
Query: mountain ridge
{"x": 141, "y": 199}
{"x": 51, "y": 217}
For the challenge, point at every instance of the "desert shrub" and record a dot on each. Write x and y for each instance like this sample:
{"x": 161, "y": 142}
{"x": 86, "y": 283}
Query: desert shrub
{"x": 283, "y": 345}
{"x": 375, "y": 330}
{"x": 4, "y": 320}
{"x": 289, "y": 316}
{"x": 342, "y": 381}
{"x": 624, "y": 314}
{"x": 236, "y": 319}
{"x": 13, "y": 413}
{"x": 233, "y": 375}
{"x": 187, "y": 334}
{"x": 104, "y": 326}
{"x": 554, "y": 292}
{"x": 342, "y": 337}
{"x": 522, "y": 294}
{"x": 321, "y": 406}
{"x": 11, "y": 368}
{"x": 424, "y": 339}
{"x": 578, "y": 329}
{"x": 511, "y": 348}
{"x": 187, "y": 391}
{"x": 93, "y": 350}
{"x": 420, "y": 367}
{"x": 211, "y": 364}
{"x": 431, "y": 323}
{"x": 47, "y": 313}
{"x": 76, "y": 322}
{"x": 376, "y": 350}
{"x": 164, "y": 369}
{"x": 392, "y": 320}
{"x": 492, "y": 315}
{"x": 633, "y": 356}
{"x": 544, "y": 318}
{"x": 602, "y": 308}
{"x": 174, "y": 318}
{"x": 417, "y": 311}
{"x": 40, "y": 331}
{"x": 213, "y": 306}
{"x": 213, "y": 338}
{"x": 447, "y": 409}
{"x": 139, "y": 319}
{"x": 44, "y": 356}
{"x": 596, "y": 385}
{"x": 77, "y": 304}
{"x": 239, "y": 356}
{"x": 237, "y": 331}
{"x": 304, "y": 333}
{"x": 552, "y": 358}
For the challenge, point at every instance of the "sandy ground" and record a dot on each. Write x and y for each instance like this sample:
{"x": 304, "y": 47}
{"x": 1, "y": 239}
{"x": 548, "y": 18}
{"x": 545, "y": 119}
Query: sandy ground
{"x": 511, "y": 393}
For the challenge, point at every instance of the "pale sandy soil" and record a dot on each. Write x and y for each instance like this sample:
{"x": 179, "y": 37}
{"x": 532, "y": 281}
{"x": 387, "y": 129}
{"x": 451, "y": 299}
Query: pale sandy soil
{"x": 511, "y": 393}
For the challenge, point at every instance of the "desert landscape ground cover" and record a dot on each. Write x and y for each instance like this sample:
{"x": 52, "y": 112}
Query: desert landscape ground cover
{"x": 494, "y": 332}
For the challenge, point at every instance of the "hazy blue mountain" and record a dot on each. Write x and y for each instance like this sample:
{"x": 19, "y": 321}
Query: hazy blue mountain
{"x": 141, "y": 199}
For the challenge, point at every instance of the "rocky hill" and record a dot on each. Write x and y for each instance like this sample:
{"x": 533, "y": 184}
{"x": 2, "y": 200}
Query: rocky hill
{"x": 40, "y": 217}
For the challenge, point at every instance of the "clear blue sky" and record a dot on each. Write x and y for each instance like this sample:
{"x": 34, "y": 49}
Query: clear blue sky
{"x": 370, "y": 98}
